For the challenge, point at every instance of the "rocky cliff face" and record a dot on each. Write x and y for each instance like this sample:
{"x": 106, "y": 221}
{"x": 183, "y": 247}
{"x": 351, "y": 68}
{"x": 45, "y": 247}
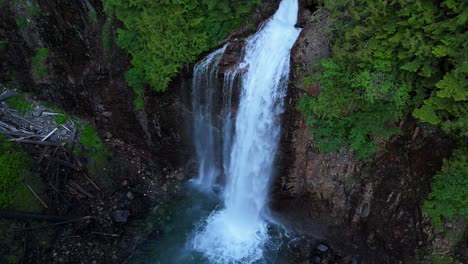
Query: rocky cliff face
{"x": 84, "y": 71}
{"x": 83, "y": 74}
{"x": 366, "y": 210}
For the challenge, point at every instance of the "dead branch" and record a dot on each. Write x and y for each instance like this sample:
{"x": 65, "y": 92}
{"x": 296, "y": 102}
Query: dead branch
{"x": 20, "y": 118}
{"x": 35, "y": 216}
{"x": 72, "y": 142}
{"x": 80, "y": 189}
{"x": 37, "y": 142}
{"x": 17, "y": 134}
{"x": 105, "y": 234}
{"x": 43, "y": 154}
{"x": 50, "y": 134}
{"x": 59, "y": 193}
{"x": 7, "y": 126}
{"x": 66, "y": 128}
{"x": 59, "y": 223}
{"x": 63, "y": 163}
{"x": 95, "y": 186}
{"x": 37, "y": 196}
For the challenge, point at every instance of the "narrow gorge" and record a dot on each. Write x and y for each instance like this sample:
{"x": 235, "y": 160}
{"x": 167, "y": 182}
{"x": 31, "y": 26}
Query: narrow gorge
{"x": 252, "y": 131}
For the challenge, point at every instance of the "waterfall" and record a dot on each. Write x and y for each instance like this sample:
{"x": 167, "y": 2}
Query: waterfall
{"x": 206, "y": 136}
{"x": 228, "y": 117}
{"x": 238, "y": 231}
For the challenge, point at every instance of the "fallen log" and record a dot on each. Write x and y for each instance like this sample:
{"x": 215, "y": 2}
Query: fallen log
{"x": 15, "y": 116}
{"x": 72, "y": 142}
{"x": 59, "y": 223}
{"x": 35, "y": 216}
{"x": 76, "y": 186}
{"x": 63, "y": 163}
{"x": 7, "y": 95}
{"x": 37, "y": 142}
{"x": 17, "y": 134}
{"x": 7, "y": 126}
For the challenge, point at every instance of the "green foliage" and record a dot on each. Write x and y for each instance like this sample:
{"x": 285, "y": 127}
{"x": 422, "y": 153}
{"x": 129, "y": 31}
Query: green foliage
{"x": 90, "y": 139}
{"x": 25, "y": 201}
{"x": 390, "y": 59}
{"x": 21, "y": 22}
{"x": 444, "y": 259}
{"x": 92, "y": 15}
{"x": 61, "y": 119}
{"x": 449, "y": 198}
{"x": 162, "y": 36}
{"x": 14, "y": 167}
{"x": 38, "y": 67}
{"x": 19, "y": 103}
{"x": 3, "y": 44}
{"x": 107, "y": 35}
{"x": 97, "y": 154}
{"x": 352, "y": 110}
{"x": 33, "y": 11}
{"x": 30, "y": 11}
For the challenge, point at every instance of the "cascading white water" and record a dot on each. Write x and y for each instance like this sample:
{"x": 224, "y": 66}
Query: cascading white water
{"x": 238, "y": 232}
{"x": 228, "y": 118}
{"x": 206, "y": 136}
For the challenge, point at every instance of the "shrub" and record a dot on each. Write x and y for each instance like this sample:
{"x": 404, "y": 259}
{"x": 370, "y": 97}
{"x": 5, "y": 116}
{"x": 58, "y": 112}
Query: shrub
{"x": 97, "y": 154}
{"x": 448, "y": 198}
{"x": 38, "y": 67}
{"x": 162, "y": 36}
{"x": 352, "y": 110}
{"x": 21, "y": 22}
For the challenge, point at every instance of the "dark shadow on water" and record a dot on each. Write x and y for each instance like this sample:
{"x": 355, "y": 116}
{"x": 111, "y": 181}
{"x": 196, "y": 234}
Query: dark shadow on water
{"x": 177, "y": 223}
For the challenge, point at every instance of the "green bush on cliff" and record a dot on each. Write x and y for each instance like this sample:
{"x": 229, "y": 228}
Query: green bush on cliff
{"x": 38, "y": 67}
{"x": 162, "y": 36}
{"x": 353, "y": 110}
{"x": 390, "y": 59}
{"x": 449, "y": 198}
{"x": 90, "y": 139}
{"x": 96, "y": 152}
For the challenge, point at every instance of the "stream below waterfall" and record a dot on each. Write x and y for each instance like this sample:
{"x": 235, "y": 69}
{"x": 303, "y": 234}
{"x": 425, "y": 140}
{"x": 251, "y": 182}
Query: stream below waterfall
{"x": 236, "y": 128}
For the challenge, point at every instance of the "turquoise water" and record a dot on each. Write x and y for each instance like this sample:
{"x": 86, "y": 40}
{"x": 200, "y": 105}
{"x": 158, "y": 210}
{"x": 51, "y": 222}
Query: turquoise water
{"x": 185, "y": 216}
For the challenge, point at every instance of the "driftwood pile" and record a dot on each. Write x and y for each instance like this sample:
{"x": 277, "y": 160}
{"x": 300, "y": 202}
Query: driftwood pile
{"x": 74, "y": 205}
{"x": 52, "y": 146}
{"x": 36, "y": 127}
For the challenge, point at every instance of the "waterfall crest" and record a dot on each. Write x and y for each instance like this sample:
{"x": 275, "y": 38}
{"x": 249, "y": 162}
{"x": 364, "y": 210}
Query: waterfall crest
{"x": 238, "y": 232}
